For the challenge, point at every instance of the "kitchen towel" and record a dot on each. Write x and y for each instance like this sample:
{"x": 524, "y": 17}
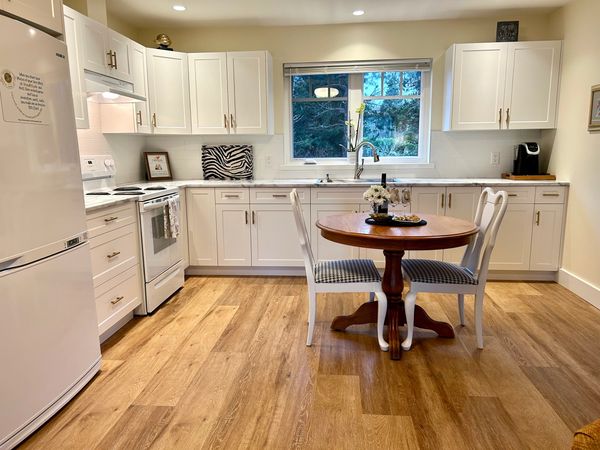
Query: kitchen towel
{"x": 171, "y": 214}
{"x": 227, "y": 162}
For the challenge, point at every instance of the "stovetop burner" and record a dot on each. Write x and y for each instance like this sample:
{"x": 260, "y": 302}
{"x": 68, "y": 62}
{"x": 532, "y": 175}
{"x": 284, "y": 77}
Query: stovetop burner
{"x": 155, "y": 188}
{"x": 98, "y": 193}
{"x": 127, "y": 188}
{"x": 129, "y": 193}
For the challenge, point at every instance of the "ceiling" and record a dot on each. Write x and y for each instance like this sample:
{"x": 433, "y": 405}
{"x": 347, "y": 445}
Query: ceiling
{"x": 149, "y": 13}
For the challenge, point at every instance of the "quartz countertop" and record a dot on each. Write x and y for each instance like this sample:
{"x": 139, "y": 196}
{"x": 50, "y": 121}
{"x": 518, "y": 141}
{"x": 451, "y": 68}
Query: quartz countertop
{"x": 93, "y": 203}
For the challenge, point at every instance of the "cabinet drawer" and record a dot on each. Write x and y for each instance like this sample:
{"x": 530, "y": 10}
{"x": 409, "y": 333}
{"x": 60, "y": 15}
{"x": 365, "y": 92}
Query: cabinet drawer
{"x": 117, "y": 298}
{"x": 109, "y": 219}
{"x": 550, "y": 194}
{"x": 338, "y": 195}
{"x": 277, "y": 195}
{"x": 113, "y": 252}
{"x": 232, "y": 195}
{"x": 517, "y": 194}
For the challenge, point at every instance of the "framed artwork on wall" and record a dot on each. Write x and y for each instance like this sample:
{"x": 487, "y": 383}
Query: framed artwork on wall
{"x": 594, "y": 123}
{"x": 157, "y": 166}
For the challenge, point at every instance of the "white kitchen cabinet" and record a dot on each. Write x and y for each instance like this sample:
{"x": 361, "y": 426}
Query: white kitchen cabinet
{"x": 233, "y": 234}
{"x": 322, "y": 248}
{"x": 547, "y": 236}
{"x": 168, "y": 91}
{"x": 231, "y": 93}
{"x": 202, "y": 226}
{"x": 75, "y": 55}
{"x": 428, "y": 200}
{"x": 513, "y": 241}
{"x": 105, "y": 51}
{"x": 501, "y": 85}
{"x": 45, "y": 13}
{"x": 183, "y": 228}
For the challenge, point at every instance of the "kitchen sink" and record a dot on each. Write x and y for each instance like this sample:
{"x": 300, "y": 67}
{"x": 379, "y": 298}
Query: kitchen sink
{"x": 353, "y": 181}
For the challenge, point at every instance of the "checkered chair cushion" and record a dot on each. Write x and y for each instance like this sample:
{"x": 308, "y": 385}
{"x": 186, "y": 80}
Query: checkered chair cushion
{"x": 347, "y": 271}
{"x": 437, "y": 272}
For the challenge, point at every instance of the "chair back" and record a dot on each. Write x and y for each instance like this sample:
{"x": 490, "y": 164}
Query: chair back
{"x": 309, "y": 259}
{"x": 489, "y": 215}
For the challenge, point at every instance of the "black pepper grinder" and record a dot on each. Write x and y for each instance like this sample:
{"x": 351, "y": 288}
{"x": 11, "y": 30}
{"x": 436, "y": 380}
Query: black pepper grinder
{"x": 383, "y": 208}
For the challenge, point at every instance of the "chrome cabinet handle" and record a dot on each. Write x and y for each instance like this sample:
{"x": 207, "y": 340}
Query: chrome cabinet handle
{"x": 253, "y": 218}
{"x": 110, "y": 59}
{"x": 226, "y": 124}
{"x": 450, "y": 200}
{"x": 233, "y": 124}
{"x": 117, "y": 300}
{"x": 111, "y": 219}
{"x": 500, "y": 119}
{"x": 246, "y": 215}
{"x": 507, "y": 118}
{"x": 443, "y": 198}
{"x": 154, "y": 120}
{"x": 550, "y": 194}
{"x": 139, "y": 118}
{"x": 537, "y": 218}
{"x": 280, "y": 195}
{"x": 116, "y": 65}
{"x": 113, "y": 254}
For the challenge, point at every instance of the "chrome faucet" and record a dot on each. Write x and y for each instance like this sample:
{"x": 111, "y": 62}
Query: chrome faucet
{"x": 359, "y": 170}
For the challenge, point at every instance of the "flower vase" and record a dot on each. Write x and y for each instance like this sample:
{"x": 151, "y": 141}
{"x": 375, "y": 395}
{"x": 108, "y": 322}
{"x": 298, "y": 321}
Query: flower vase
{"x": 351, "y": 157}
{"x": 381, "y": 208}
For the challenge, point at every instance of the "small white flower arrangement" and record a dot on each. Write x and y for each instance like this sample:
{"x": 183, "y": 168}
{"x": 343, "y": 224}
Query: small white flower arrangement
{"x": 377, "y": 195}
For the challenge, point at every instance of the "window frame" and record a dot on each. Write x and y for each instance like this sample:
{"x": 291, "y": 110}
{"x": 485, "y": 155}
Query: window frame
{"x": 355, "y": 98}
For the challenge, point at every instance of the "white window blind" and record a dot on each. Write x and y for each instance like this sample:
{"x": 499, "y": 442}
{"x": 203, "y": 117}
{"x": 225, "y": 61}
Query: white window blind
{"x": 386, "y": 65}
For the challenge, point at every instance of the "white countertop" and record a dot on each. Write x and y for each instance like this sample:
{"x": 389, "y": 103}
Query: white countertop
{"x": 97, "y": 202}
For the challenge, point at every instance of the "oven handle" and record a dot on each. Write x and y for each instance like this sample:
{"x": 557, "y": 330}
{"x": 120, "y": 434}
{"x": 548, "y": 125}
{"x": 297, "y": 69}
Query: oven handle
{"x": 145, "y": 208}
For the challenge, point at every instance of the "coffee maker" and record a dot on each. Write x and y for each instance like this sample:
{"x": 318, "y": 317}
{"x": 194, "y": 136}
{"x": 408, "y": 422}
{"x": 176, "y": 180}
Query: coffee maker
{"x": 527, "y": 159}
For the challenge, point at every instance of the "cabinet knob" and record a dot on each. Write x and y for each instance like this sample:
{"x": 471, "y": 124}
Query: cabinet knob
{"x": 154, "y": 120}
{"x": 139, "y": 118}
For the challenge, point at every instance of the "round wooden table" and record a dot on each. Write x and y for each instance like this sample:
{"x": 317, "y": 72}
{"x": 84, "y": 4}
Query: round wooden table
{"x": 439, "y": 233}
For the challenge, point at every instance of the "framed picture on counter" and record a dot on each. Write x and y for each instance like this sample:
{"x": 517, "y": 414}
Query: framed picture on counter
{"x": 594, "y": 124}
{"x": 157, "y": 166}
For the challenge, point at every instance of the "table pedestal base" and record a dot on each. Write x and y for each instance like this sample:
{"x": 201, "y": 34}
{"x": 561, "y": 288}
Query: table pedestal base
{"x": 393, "y": 284}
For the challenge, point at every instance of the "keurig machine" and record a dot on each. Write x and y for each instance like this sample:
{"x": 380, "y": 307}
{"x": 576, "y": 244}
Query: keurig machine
{"x": 527, "y": 159}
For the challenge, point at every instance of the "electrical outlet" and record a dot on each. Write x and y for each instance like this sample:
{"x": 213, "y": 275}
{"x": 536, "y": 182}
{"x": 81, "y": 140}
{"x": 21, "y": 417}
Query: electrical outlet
{"x": 494, "y": 158}
{"x": 267, "y": 160}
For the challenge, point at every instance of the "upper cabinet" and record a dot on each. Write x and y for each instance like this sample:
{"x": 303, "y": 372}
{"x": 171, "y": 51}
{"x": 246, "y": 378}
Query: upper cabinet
{"x": 72, "y": 20}
{"x": 106, "y": 51}
{"x": 45, "y": 13}
{"x": 231, "y": 93}
{"x": 168, "y": 91}
{"x": 501, "y": 85}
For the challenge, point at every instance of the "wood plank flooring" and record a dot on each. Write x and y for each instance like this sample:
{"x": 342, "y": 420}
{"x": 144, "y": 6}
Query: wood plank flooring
{"x": 223, "y": 365}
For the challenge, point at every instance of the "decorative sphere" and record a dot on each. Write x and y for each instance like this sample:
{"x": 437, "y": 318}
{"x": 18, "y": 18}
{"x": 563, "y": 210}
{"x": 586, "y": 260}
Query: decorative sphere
{"x": 163, "y": 39}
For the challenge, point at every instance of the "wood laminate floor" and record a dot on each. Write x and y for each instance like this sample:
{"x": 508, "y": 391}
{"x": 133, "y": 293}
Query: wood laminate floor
{"x": 223, "y": 365}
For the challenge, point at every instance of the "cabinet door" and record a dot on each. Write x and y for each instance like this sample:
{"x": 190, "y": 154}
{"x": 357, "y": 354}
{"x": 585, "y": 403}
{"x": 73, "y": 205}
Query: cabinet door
{"x": 202, "y": 227}
{"x": 208, "y": 93}
{"x": 275, "y": 237}
{"x": 73, "y": 40}
{"x": 428, "y": 200}
{"x": 183, "y": 228}
{"x": 461, "y": 202}
{"x": 532, "y": 84}
{"x": 121, "y": 47}
{"x": 374, "y": 254}
{"x": 168, "y": 91}
{"x": 324, "y": 249}
{"x": 546, "y": 240}
{"x": 247, "y": 87}
{"x": 478, "y": 86}
{"x": 95, "y": 50}
{"x": 233, "y": 235}
{"x": 140, "y": 87}
{"x": 513, "y": 242}
{"x": 46, "y": 13}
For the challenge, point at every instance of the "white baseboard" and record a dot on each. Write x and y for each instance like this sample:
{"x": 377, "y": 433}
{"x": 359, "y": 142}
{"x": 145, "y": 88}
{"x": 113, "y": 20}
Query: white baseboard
{"x": 246, "y": 271}
{"x": 579, "y": 286}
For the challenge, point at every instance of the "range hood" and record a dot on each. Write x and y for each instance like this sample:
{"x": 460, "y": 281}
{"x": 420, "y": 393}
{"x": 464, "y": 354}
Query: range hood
{"x": 105, "y": 89}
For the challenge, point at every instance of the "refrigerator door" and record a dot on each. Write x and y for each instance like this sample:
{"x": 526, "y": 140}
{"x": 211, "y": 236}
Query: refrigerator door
{"x": 48, "y": 339}
{"x": 41, "y": 195}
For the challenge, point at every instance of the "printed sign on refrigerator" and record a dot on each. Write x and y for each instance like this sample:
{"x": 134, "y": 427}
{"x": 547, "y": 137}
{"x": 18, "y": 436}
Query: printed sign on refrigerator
{"x": 23, "y": 97}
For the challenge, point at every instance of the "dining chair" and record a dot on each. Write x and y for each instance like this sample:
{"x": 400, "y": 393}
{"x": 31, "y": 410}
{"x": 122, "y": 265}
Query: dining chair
{"x": 467, "y": 278}
{"x": 348, "y": 275}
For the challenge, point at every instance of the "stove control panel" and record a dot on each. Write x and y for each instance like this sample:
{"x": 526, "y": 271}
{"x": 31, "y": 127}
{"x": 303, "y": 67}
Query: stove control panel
{"x": 97, "y": 167}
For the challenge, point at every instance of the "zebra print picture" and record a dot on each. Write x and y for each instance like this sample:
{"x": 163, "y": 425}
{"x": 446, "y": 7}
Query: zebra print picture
{"x": 227, "y": 162}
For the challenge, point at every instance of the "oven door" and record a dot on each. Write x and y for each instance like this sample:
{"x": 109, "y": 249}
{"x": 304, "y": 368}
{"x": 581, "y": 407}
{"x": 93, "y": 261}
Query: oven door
{"x": 160, "y": 252}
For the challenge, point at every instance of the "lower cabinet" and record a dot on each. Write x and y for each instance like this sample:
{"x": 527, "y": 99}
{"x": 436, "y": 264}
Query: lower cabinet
{"x": 233, "y": 235}
{"x": 547, "y": 229}
{"x": 513, "y": 242}
{"x": 201, "y": 226}
{"x": 115, "y": 252}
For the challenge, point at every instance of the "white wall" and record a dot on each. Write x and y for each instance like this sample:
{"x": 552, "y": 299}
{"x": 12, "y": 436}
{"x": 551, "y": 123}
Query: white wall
{"x": 576, "y": 152}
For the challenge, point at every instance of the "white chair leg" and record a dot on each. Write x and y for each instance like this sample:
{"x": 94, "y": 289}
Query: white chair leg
{"x": 479, "y": 318}
{"x": 461, "y": 308}
{"x": 381, "y": 312}
{"x": 312, "y": 312}
{"x": 409, "y": 311}
{"x": 371, "y": 296}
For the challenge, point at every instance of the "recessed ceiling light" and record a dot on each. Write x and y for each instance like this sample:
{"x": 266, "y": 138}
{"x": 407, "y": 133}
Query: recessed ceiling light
{"x": 358, "y": 12}
{"x": 179, "y": 8}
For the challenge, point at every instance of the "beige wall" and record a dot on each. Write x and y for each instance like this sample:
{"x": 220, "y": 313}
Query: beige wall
{"x": 96, "y": 9}
{"x": 576, "y": 152}
{"x": 348, "y": 42}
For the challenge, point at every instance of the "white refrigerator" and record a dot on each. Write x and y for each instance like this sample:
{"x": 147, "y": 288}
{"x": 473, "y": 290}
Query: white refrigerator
{"x": 49, "y": 345}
